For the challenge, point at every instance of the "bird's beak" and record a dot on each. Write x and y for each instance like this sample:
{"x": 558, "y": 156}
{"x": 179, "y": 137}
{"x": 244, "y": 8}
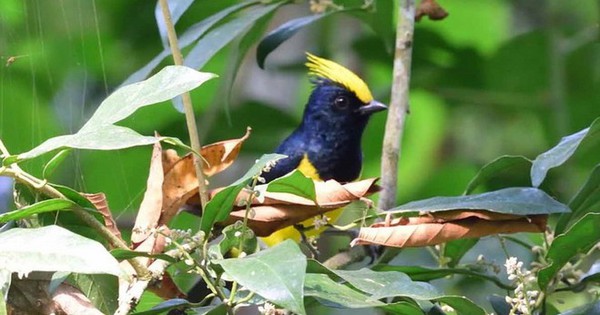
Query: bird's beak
{"x": 372, "y": 107}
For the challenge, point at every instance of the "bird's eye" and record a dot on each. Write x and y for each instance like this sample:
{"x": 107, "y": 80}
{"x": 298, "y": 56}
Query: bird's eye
{"x": 341, "y": 102}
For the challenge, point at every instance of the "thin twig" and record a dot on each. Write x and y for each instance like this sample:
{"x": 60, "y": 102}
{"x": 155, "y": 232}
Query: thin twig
{"x": 188, "y": 108}
{"x": 398, "y": 105}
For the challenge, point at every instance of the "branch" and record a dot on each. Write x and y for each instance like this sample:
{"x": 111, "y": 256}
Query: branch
{"x": 398, "y": 109}
{"x": 187, "y": 105}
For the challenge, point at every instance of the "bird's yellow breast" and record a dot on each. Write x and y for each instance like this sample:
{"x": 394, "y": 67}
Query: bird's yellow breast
{"x": 308, "y": 169}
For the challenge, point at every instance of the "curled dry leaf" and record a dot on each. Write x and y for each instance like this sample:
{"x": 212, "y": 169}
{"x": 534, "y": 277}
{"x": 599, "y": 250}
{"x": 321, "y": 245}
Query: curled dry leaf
{"x": 181, "y": 183}
{"x": 151, "y": 206}
{"x": 220, "y": 155}
{"x": 99, "y": 201}
{"x": 279, "y": 210}
{"x": 431, "y": 9}
{"x": 441, "y": 227}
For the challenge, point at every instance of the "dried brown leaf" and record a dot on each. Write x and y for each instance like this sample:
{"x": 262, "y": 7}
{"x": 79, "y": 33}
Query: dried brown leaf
{"x": 166, "y": 288}
{"x": 151, "y": 207}
{"x": 220, "y": 155}
{"x": 428, "y": 230}
{"x": 72, "y": 301}
{"x": 279, "y": 210}
{"x": 431, "y": 9}
{"x": 99, "y": 201}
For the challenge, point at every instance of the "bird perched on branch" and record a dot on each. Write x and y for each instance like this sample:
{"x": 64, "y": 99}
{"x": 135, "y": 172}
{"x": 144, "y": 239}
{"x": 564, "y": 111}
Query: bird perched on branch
{"x": 327, "y": 144}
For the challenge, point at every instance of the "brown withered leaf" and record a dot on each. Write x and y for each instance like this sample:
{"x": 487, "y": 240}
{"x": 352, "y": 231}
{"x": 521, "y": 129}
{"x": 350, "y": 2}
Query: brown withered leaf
{"x": 99, "y": 201}
{"x": 441, "y": 227}
{"x": 279, "y": 210}
{"x": 151, "y": 207}
{"x": 181, "y": 183}
{"x": 431, "y": 9}
{"x": 220, "y": 155}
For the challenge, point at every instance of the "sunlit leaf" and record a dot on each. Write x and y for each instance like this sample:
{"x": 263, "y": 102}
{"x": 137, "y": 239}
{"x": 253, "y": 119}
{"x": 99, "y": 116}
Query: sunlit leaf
{"x": 99, "y": 133}
{"x": 295, "y": 183}
{"x": 277, "y": 274}
{"x": 560, "y": 153}
{"x": 52, "y": 248}
{"x": 36, "y": 208}
{"x": 580, "y": 238}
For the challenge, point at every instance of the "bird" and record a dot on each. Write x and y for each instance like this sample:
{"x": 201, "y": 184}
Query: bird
{"x": 327, "y": 143}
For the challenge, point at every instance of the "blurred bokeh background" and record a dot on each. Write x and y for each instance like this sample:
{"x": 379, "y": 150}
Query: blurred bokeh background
{"x": 494, "y": 78}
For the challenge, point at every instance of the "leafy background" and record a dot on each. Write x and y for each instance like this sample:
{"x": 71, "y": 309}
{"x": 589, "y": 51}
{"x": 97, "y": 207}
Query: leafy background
{"x": 494, "y": 78}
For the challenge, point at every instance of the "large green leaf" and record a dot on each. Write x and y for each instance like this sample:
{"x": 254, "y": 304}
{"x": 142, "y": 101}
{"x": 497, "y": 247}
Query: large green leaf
{"x": 295, "y": 183}
{"x": 580, "y": 238}
{"x": 560, "y": 153}
{"x": 583, "y": 202}
{"x": 39, "y": 207}
{"x": 187, "y": 38}
{"x": 334, "y": 294}
{"x": 219, "y": 207}
{"x": 498, "y": 166}
{"x": 210, "y": 44}
{"x": 100, "y": 132}
{"x": 418, "y": 273}
{"x": 382, "y": 284}
{"x": 282, "y": 33}
{"x": 53, "y": 248}
{"x": 102, "y": 290}
{"x": 277, "y": 274}
{"x": 518, "y": 201}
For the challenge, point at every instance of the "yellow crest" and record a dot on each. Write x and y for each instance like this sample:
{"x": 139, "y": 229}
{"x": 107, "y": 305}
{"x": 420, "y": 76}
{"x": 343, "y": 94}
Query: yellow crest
{"x": 336, "y": 73}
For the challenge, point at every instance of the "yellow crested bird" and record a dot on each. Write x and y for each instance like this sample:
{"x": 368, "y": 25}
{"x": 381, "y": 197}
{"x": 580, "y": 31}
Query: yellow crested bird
{"x": 327, "y": 143}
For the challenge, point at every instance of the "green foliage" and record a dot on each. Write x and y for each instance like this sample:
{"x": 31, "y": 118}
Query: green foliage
{"x": 496, "y": 95}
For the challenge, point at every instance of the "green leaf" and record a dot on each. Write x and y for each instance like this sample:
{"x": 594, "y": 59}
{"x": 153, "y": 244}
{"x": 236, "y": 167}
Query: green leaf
{"x": 499, "y": 304}
{"x": 187, "y": 38}
{"x": 418, "y": 273}
{"x": 219, "y": 207}
{"x": 282, "y": 33}
{"x": 518, "y": 201}
{"x": 277, "y": 274}
{"x": 583, "y": 201}
{"x": 102, "y": 290}
{"x": 382, "y": 284}
{"x": 381, "y": 20}
{"x": 210, "y": 44}
{"x": 462, "y": 305}
{"x": 456, "y": 249}
{"x": 5, "y": 279}
{"x": 333, "y": 294}
{"x": 124, "y": 254}
{"x": 560, "y": 153}
{"x": 99, "y": 132}
{"x": 52, "y": 248}
{"x": 580, "y": 238}
{"x": 39, "y": 207}
{"x": 588, "y": 309}
{"x": 498, "y": 166}
{"x": 53, "y": 164}
{"x": 176, "y": 9}
{"x": 294, "y": 183}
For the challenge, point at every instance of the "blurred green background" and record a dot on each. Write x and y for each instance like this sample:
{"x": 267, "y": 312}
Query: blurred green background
{"x": 496, "y": 77}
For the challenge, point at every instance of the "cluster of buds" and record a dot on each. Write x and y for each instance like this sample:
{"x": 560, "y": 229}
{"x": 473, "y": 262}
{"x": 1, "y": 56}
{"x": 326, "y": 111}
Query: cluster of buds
{"x": 524, "y": 300}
